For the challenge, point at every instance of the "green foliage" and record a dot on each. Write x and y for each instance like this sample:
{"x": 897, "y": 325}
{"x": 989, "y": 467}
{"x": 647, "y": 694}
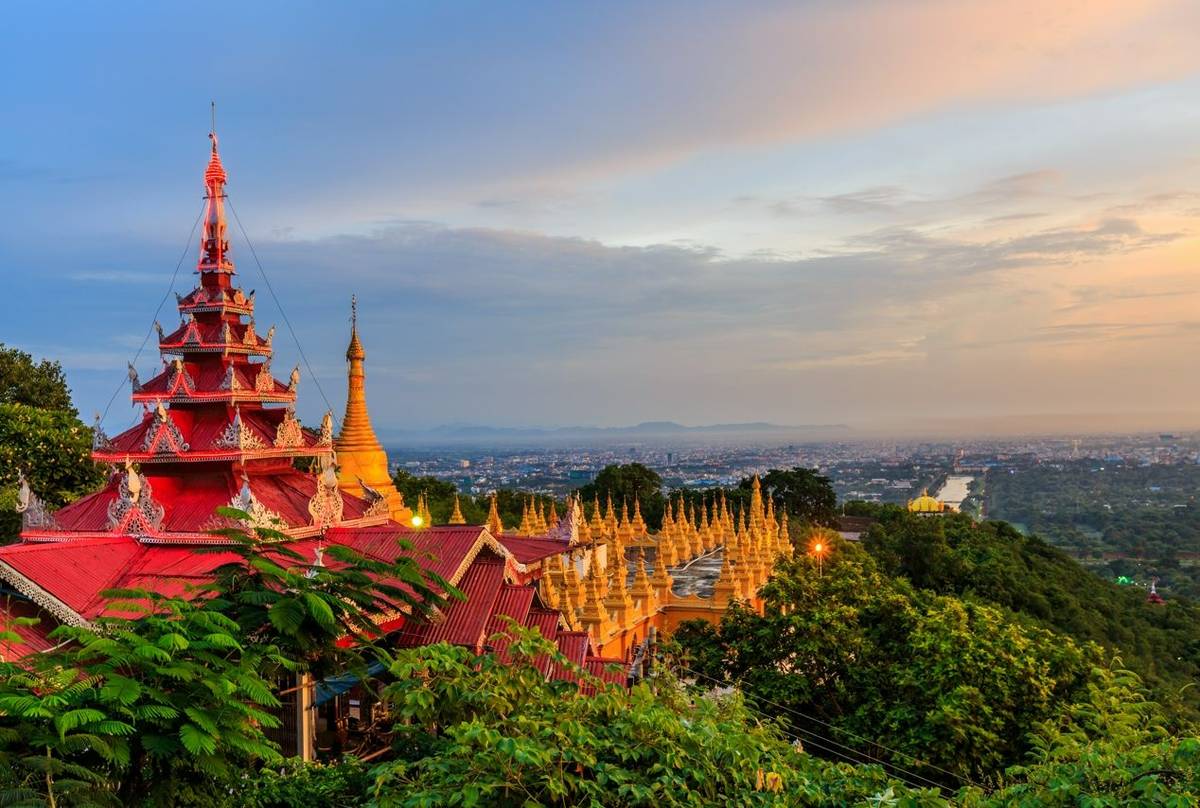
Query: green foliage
{"x": 902, "y": 674}
{"x": 296, "y": 784}
{"x": 807, "y": 496}
{"x": 33, "y": 384}
{"x": 133, "y": 709}
{"x": 276, "y": 595}
{"x": 477, "y": 731}
{"x": 1109, "y": 749}
{"x": 53, "y": 449}
{"x": 993, "y": 562}
{"x": 629, "y": 481}
{"x": 166, "y": 695}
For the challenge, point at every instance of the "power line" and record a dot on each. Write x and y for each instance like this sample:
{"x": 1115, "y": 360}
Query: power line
{"x": 797, "y": 713}
{"x": 279, "y": 306}
{"x": 167, "y": 294}
{"x": 847, "y": 753}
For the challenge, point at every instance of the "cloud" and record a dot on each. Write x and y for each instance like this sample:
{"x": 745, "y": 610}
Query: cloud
{"x": 782, "y": 73}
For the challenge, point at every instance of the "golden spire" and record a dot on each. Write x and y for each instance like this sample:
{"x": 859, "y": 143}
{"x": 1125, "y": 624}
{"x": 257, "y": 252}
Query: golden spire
{"x": 594, "y": 615}
{"x": 597, "y": 520}
{"x": 526, "y": 526}
{"x": 494, "y": 525}
{"x": 361, "y": 458}
{"x": 539, "y": 520}
{"x": 639, "y": 524}
{"x": 423, "y": 511}
{"x": 642, "y": 590}
{"x": 726, "y": 587}
{"x": 756, "y": 503}
{"x": 457, "y": 518}
{"x": 661, "y": 579}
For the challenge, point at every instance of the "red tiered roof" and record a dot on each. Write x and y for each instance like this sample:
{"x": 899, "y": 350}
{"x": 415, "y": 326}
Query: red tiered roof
{"x": 214, "y": 434}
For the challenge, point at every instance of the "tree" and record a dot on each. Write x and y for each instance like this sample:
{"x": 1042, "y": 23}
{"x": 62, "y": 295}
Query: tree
{"x": 34, "y": 384}
{"x": 807, "y": 496}
{"x": 52, "y": 449}
{"x": 480, "y": 731}
{"x": 170, "y": 694}
{"x": 132, "y": 708}
{"x": 627, "y": 482}
{"x": 993, "y": 562}
{"x": 277, "y": 596}
{"x": 1109, "y": 748}
{"x": 931, "y": 683}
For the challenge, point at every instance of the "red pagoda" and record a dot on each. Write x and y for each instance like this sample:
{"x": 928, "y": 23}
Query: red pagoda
{"x": 219, "y": 429}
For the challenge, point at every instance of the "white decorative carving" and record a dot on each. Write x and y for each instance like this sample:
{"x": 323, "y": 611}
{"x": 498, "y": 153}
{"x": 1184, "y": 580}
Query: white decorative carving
{"x": 239, "y": 436}
{"x": 134, "y": 510}
{"x": 567, "y": 529}
{"x": 163, "y": 436}
{"x": 230, "y": 382}
{"x": 159, "y": 329}
{"x": 133, "y": 378}
{"x": 326, "y": 436}
{"x": 376, "y": 502}
{"x": 34, "y": 513}
{"x": 294, "y": 379}
{"x": 226, "y": 333}
{"x": 100, "y": 441}
{"x": 325, "y": 507}
{"x": 270, "y": 333}
{"x": 260, "y": 515}
{"x": 289, "y": 434}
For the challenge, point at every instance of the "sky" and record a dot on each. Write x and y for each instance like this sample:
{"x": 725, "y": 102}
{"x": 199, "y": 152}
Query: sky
{"x": 864, "y": 213}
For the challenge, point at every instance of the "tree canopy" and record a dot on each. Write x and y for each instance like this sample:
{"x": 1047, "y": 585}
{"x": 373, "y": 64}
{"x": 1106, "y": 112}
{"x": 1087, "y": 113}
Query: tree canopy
{"x": 34, "y": 384}
{"x": 946, "y": 687}
{"x": 629, "y": 482}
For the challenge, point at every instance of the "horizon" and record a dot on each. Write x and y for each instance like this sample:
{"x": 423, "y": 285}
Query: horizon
{"x": 546, "y": 223}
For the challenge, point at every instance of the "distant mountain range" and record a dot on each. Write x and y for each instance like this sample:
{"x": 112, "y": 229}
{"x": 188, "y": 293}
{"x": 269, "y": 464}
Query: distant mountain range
{"x": 475, "y": 433}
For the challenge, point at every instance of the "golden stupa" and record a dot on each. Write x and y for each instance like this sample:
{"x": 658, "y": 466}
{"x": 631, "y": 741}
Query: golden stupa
{"x": 362, "y": 463}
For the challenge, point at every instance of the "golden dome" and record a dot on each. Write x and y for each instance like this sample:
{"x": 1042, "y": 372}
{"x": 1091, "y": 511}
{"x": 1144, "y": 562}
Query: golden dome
{"x": 926, "y": 504}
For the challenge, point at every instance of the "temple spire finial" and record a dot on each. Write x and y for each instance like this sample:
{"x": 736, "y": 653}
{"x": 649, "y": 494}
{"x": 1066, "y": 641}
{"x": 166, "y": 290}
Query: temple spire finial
{"x": 354, "y": 351}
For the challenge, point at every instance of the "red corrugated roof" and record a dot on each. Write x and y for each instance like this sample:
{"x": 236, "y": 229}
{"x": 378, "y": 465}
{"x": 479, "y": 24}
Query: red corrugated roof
{"x": 528, "y": 549}
{"x": 30, "y": 639}
{"x": 607, "y": 669}
{"x": 466, "y": 620}
{"x": 73, "y": 573}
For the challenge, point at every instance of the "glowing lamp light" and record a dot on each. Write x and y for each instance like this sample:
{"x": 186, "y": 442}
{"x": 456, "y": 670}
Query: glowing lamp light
{"x": 818, "y": 548}
{"x": 417, "y": 521}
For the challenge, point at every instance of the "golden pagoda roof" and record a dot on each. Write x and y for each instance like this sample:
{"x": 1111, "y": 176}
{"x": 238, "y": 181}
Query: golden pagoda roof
{"x": 926, "y": 504}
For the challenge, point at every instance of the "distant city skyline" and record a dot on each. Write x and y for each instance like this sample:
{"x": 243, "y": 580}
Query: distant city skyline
{"x": 870, "y": 214}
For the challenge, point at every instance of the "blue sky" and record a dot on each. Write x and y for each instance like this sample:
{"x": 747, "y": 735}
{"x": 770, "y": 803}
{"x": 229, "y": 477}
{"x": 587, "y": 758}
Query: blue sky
{"x": 602, "y": 213}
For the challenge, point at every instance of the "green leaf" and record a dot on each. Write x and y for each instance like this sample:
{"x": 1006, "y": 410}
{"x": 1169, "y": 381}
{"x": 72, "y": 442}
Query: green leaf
{"x": 196, "y": 740}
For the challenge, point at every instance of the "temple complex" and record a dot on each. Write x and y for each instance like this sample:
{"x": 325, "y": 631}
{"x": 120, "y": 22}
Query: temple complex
{"x": 218, "y": 429}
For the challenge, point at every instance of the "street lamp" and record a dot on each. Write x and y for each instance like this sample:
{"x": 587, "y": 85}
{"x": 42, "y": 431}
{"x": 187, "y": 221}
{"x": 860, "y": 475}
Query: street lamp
{"x": 818, "y": 550}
